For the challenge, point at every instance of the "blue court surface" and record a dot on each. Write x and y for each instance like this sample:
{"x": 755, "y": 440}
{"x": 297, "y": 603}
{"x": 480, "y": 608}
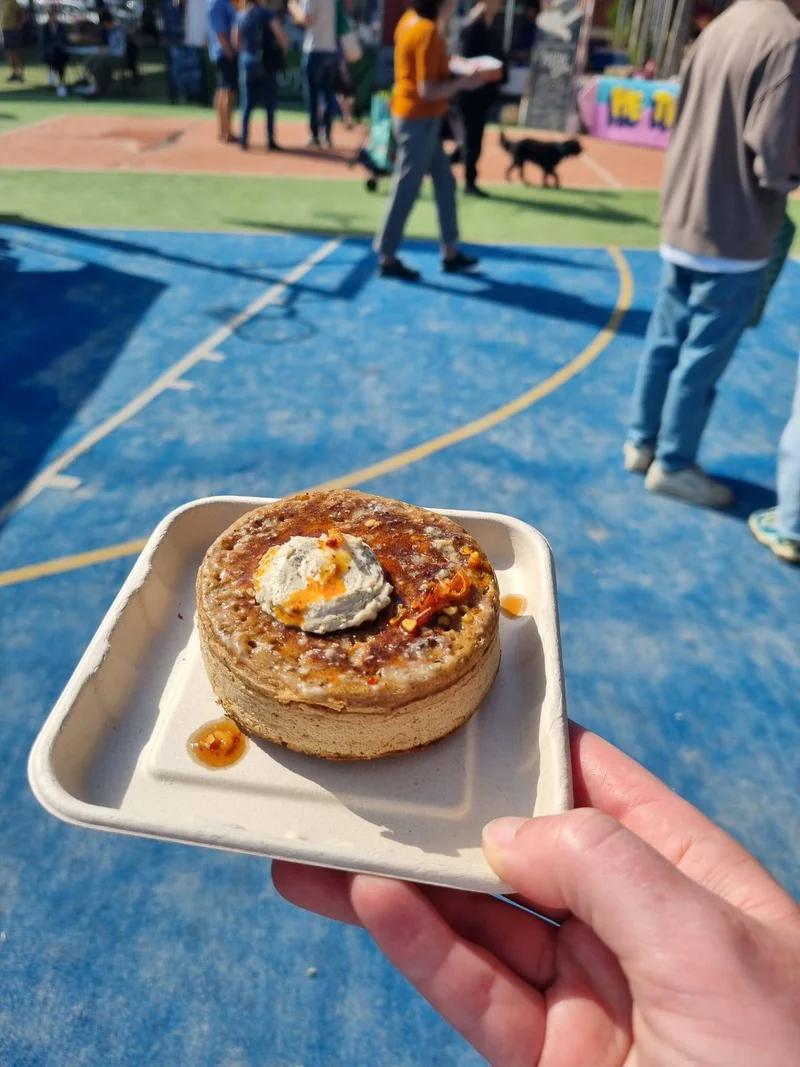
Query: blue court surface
{"x": 130, "y": 386}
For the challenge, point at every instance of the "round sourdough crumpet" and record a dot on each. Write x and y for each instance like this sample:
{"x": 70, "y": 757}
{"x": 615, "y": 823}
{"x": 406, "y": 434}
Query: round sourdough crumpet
{"x": 348, "y": 626}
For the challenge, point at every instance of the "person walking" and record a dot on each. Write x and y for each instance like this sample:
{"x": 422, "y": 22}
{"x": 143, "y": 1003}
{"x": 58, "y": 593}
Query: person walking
{"x": 423, "y": 85}
{"x": 221, "y": 19}
{"x": 479, "y": 37}
{"x": 318, "y": 19}
{"x": 779, "y": 528}
{"x": 12, "y": 19}
{"x": 734, "y": 156}
{"x": 261, "y": 42}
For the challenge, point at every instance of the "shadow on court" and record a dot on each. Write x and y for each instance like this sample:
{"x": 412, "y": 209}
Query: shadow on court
{"x": 62, "y": 332}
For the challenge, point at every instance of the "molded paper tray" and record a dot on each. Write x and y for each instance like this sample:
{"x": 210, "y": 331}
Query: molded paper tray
{"x": 112, "y": 754}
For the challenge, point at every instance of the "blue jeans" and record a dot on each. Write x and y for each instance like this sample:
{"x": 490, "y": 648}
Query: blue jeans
{"x": 319, "y": 80}
{"x": 789, "y": 472}
{"x": 257, "y": 89}
{"x": 693, "y": 331}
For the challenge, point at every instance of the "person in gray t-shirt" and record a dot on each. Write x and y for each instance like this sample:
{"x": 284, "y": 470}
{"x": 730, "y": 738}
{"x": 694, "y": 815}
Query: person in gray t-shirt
{"x": 318, "y": 19}
{"x": 733, "y": 157}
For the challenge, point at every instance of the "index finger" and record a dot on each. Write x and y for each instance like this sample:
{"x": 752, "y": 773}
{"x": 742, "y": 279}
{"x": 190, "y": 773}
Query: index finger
{"x": 606, "y": 779}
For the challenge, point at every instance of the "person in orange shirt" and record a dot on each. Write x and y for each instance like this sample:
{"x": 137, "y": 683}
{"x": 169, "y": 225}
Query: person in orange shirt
{"x": 423, "y": 85}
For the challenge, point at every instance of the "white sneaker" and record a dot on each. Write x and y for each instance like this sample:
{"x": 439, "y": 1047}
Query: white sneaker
{"x": 690, "y": 484}
{"x": 637, "y": 457}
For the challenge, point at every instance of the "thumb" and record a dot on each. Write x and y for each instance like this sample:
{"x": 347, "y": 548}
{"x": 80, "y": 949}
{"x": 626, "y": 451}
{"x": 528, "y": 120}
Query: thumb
{"x": 635, "y": 900}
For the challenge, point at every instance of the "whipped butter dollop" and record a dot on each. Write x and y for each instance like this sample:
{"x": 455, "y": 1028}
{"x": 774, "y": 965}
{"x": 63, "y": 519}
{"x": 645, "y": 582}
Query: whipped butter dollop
{"x": 321, "y": 584}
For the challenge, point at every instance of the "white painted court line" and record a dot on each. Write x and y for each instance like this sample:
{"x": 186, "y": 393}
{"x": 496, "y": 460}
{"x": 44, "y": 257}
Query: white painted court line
{"x": 601, "y": 172}
{"x": 51, "y": 474}
{"x": 65, "y": 481}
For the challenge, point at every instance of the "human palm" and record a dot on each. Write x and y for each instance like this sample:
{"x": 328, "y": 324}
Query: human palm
{"x": 673, "y": 945}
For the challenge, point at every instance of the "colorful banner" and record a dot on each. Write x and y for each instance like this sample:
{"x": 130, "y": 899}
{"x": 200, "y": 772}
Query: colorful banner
{"x": 634, "y": 111}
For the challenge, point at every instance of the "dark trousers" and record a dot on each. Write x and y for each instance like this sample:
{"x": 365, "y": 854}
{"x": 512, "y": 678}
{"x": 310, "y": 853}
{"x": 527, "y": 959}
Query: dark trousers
{"x": 319, "y": 76}
{"x": 132, "y": 58}
{"x": 474, "y": 120}
{"x": 257, "y": 89}
{"x": 56, "y": 59}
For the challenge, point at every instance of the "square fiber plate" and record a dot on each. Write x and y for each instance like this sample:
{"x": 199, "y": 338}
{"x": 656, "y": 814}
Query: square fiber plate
{"x": 113, "y": 752}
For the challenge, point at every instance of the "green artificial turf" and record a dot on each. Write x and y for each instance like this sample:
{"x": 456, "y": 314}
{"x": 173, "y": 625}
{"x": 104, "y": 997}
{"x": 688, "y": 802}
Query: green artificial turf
{"x": 223, "y": 202}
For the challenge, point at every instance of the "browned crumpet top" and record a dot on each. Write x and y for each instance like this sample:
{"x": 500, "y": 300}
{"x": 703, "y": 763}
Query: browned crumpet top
{"x": 442, "y": 613}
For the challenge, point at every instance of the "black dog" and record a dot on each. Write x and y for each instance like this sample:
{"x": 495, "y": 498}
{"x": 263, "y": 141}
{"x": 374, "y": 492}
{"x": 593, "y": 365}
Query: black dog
{"x": 545, "y": 154}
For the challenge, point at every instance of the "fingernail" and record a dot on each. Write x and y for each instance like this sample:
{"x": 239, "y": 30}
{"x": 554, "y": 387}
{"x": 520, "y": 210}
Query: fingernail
{"x": 501, "y": 832}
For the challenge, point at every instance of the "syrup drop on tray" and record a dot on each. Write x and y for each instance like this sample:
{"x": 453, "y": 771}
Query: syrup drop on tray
{"x": 513, "y": 605}
{"x": 217, "y": 744}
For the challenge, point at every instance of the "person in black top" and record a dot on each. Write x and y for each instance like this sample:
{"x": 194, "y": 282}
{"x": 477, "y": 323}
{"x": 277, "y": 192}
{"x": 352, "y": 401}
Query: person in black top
{"x": 479, "y": 37}
{"x": 525, "y": 34}
{"x": 54, "y": 48}
{"x": 259, "y": 39}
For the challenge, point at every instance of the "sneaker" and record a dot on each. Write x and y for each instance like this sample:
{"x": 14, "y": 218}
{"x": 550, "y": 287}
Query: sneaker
{"x": 690, "y": 484}
{"x": 61, "y": 91}
{"x": 637, "y": 458}
{"x": 474, "y": 190}
{"x": 312, "y": 142}
{"x": 460, "y": 261}
{"x": 273, "y": 146}
{"x": 395, "y": 268}
{"x": 764, "y": 527}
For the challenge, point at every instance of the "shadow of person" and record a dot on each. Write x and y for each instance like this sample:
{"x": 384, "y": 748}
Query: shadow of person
{"x": 316, "y": 155}
{"x": 543, "y": 300}
{"x": 553, "y": 203}
{"x": 749, "y": 496}
{"x": 54, "y": 362}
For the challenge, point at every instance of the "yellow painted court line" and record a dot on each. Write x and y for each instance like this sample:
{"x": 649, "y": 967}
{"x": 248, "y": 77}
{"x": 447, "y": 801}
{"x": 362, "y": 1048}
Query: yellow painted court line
{"x": 514, "y": 407}
{"x": 71, "y": 563}
{"x": 402, "y": 459}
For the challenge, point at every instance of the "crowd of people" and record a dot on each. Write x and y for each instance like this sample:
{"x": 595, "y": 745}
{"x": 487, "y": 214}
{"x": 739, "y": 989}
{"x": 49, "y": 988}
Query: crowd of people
{"x": 112, "y": 43}
{"x": 248, "y": 49}
{"x": 734, "y": 156}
